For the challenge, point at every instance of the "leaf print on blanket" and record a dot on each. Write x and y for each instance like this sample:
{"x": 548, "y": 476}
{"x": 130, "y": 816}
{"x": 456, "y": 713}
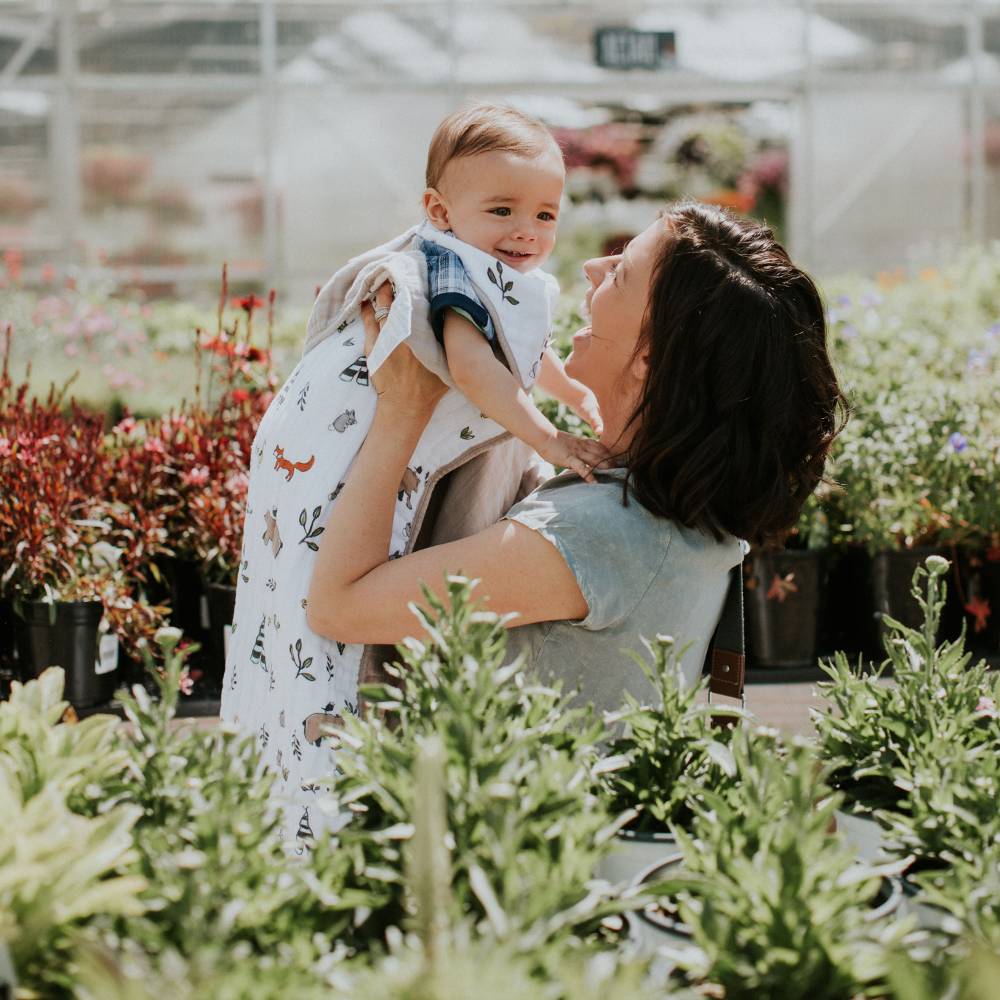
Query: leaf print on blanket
{"x": 504, "y": 285}
{"x": 301, "y": 666}
{"x": 312, "y": 531}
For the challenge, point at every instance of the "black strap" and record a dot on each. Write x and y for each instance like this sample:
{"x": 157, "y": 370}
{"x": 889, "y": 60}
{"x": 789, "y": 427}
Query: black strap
{"x": 726, "y": 660}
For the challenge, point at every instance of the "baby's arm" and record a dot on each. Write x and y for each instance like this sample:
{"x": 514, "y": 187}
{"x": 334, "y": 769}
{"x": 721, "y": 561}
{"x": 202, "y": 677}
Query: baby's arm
{"x": 483, "y": 379}
{"x": 553, "y": 381}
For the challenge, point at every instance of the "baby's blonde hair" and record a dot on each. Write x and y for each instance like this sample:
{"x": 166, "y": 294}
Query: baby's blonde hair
{"x": 484, "y": 128}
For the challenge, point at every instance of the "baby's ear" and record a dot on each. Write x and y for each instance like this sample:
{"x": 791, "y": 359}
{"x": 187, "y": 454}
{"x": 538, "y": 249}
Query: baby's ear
{"x": 436, "y": 210}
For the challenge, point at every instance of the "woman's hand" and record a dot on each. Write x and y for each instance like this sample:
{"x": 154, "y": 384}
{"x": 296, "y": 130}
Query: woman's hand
{"x": 401, "y": 382}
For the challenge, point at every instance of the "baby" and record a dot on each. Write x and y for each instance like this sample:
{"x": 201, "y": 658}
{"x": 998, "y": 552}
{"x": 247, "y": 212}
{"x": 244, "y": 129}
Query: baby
{"x": 494, "y": 179}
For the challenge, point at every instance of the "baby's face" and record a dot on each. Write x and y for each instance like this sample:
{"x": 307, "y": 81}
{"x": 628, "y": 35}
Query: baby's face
{"x": 505, "y": 205}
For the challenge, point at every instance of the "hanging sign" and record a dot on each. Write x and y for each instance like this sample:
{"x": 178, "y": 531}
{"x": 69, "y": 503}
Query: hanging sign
{"x": 626, "y": 48}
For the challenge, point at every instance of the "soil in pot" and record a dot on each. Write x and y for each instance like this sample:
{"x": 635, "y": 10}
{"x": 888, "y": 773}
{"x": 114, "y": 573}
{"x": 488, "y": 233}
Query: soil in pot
{"x": 892, "y": 577}
{"x": 221, "y": 605}
{"x": 783, "y": 596}
{"x": 65, "y": 634}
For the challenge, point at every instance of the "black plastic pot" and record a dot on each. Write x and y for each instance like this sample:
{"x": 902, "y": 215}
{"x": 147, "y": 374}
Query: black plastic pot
{"x": 65, "y": 634}
{"x": 846, "y": 620}
{"x": 783, "y": 628}
{"x": 187, "y": 597}
{"x": 221, "y": 605}
{"x": 892, "y": 579}
{"x": 980, "y": 582}
{"x": 8, "y": 642}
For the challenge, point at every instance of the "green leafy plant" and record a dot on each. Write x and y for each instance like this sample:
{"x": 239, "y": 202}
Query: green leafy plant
{"x": 59, "y": 867}
{"x": 526, "y": 824}
{"x": 667, "y": 752}
{"x": 777, "y": 907}
{"x": 873, "y": 729}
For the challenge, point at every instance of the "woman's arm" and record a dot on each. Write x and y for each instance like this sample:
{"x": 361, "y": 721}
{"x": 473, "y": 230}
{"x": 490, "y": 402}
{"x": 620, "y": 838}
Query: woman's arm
{"x": 357, "y": 595}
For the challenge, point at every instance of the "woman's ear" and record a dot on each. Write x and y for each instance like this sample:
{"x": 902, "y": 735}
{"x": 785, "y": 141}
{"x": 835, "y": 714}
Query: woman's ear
{"x": 639, "y": 365}
{"x": 436, "y": 209}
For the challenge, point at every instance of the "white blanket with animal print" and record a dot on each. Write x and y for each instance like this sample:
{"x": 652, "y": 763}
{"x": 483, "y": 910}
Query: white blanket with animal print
{"x": 284, "y": 683}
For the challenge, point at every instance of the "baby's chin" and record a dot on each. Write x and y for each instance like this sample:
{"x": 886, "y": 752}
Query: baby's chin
{"x": 523, "y": 264}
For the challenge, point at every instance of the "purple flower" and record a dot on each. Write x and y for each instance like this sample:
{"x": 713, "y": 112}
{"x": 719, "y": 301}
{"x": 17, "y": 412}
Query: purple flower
{"x": 849, "y": 332}
{"x": 871, "y": 299}
{"x": 958, "y": 442}
{"x": 843, "y": 301}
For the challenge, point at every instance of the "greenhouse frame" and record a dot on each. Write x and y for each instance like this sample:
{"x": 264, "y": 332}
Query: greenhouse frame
{"x": 285, "y": 136}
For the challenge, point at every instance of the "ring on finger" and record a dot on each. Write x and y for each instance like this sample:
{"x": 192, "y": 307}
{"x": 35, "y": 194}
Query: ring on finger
{"x": 380, "y": 314}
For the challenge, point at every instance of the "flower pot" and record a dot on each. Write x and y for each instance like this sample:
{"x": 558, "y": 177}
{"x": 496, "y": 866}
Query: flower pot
{"x": 8, "y": 642}
{"x": 659, "y": 923}
{"x": 782, "y": 600}
{"x": 846, "y": 614}
{"x": 892, "y": 577}
{"x": 980, "y": 581}
{"x": 863, "y": 834}
{"x": 65, "y": 634}
{"x": 186, "y": 594}
{"x": 221, "y": 605}
{"x": 632, "y": 853}
{"x": 929, "y": 917}
{"x": 888, "y": 900}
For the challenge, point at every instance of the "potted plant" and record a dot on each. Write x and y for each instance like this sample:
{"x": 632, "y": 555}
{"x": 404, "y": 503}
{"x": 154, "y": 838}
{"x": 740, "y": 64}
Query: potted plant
{"x": 520, "y": 798}
{"x": 658, "y": 761}
{"x": 903, "y": 464}
{"x": 783, "y": 591}
{"x": 873, "y": 732}
{"x": 768, "y": 900}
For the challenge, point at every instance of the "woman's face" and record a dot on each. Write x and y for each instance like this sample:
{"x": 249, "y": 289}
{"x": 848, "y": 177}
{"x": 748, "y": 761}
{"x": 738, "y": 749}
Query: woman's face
{"x": 616, "y": 305}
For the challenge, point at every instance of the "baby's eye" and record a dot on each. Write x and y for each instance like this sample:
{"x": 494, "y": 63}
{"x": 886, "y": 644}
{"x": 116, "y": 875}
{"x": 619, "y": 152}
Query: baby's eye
{"x": 546, "y": 217}
{"x": 503, "y": 211}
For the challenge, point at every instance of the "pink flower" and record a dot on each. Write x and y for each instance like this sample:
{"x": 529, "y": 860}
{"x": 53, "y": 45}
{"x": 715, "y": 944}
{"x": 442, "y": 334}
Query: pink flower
{"x": 125, "y": 426}
{"x": 987, "y": 708}
{"x": 186, "y": 684}
{"x": 5, "y": 448}
{"x": 195, "y": 477}
{"x": 154, "y": 446}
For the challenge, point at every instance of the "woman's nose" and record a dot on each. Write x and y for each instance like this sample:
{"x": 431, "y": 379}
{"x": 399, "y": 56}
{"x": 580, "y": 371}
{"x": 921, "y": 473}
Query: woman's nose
{"x": 594, "y": 270}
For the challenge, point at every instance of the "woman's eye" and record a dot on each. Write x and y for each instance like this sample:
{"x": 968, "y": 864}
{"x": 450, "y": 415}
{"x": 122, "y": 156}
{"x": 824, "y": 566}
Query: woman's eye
{"x": 613, "y": 269}
{"x": 500, "y": 211}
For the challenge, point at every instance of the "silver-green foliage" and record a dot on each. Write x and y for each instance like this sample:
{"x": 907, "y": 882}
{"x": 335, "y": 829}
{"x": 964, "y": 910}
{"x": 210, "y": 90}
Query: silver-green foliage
{"x": 777, "y": 906}
{"x": 668, "y": 752}
{"x": 62, "y": 858}
{"x": 875, "y": 733}
{"x": 526, "y": 826}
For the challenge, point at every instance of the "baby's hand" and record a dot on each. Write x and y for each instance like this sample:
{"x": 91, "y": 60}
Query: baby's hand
{"x": 586, "y": 409}
{"x": 580, "y": 454}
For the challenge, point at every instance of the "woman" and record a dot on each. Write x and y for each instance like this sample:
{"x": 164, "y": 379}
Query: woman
{"x": 707, "y": 353}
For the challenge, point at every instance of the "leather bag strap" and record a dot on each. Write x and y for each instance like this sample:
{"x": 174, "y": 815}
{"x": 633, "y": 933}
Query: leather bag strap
{"x": 726, "y": 660}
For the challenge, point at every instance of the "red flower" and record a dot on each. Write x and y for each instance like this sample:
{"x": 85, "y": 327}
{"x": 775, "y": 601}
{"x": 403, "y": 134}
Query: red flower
{"x": 979, "y": 608}
{"x": 781, "y": 588}
{"x": 240, "y": 395}
{"x": 248, "y": 303}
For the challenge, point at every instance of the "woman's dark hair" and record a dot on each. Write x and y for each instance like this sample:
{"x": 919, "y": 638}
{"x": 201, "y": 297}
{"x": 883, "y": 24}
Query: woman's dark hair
{"x": 741, "y": 402}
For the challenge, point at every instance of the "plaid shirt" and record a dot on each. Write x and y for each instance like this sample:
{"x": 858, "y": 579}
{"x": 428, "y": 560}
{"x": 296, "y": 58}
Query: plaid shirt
{"x": 449, "y": 287}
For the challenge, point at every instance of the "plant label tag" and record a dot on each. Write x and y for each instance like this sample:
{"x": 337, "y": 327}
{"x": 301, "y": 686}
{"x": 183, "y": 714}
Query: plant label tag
{"x": 203, "y": 609}
{"x": 107, "y": 655}
{"x": 227, "y": 631}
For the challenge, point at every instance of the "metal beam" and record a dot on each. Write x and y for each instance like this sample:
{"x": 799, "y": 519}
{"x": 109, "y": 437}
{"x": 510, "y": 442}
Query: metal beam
{"x": 28, "y": 47}
{"x": 64, "y": 135}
